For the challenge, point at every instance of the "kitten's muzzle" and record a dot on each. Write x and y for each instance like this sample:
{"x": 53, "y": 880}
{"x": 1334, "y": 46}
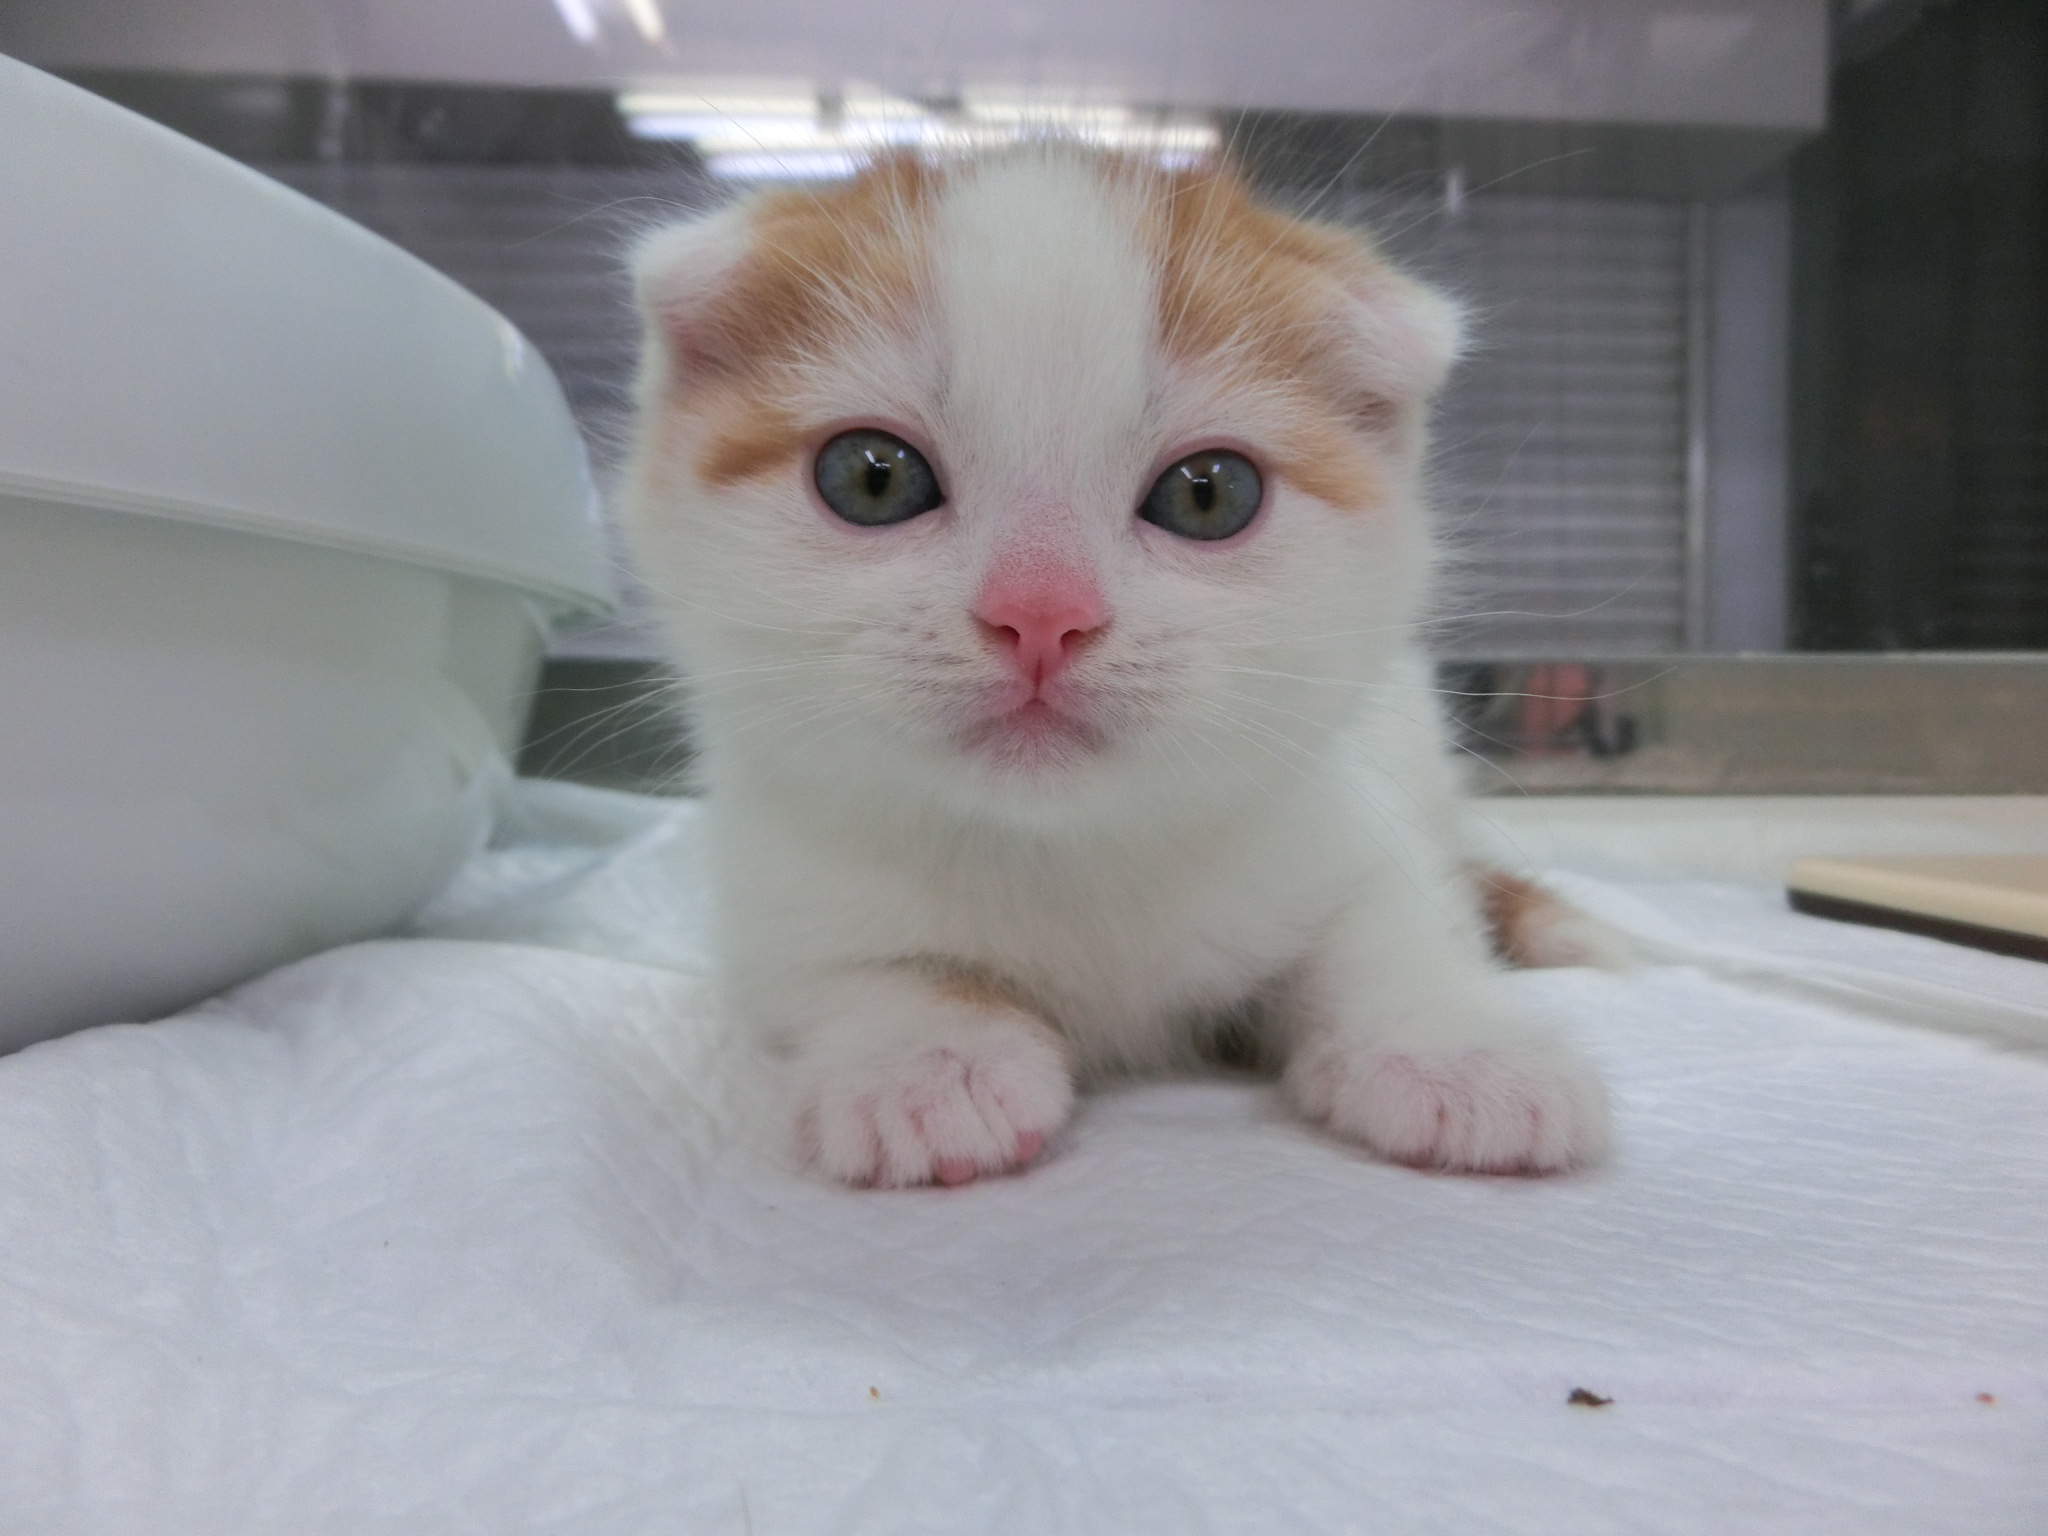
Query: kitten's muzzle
{"x": 1040, "y": 622}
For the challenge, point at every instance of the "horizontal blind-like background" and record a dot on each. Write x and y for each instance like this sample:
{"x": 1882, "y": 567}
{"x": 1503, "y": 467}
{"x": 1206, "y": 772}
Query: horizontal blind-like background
{"x": 1561, "y": 443}
{"x": 1560, "y": 466}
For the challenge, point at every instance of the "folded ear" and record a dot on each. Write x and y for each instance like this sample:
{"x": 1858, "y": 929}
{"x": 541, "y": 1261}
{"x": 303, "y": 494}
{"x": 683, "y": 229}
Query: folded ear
{"x": 1406, "y": 333}
{"x": 681, "y": 274}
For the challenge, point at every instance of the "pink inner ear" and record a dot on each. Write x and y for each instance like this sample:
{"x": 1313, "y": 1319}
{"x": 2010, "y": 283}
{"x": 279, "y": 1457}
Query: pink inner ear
{"x": 700, "y": 341}
{"x": 696, "y": 345}
{"x": 682, "y": 276}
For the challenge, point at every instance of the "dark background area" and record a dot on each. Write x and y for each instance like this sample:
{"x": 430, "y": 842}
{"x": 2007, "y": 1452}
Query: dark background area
{"x": 1920, "y": 342}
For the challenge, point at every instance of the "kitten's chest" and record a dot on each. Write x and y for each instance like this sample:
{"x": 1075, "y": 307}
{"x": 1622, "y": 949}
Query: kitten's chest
{"x": 1112, "y": 935}
{"x": 1107, "y": 933}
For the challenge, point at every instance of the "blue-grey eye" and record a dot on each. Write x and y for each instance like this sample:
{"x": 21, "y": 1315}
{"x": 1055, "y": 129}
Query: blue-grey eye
{"x": 873, "y": 478}
{"x": 1207, "y": 495}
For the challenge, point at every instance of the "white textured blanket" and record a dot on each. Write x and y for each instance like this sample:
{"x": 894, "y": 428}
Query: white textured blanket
{"x": 487, "y": 1232}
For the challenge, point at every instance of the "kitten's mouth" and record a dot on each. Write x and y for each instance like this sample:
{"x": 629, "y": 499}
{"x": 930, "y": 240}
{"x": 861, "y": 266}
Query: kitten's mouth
{"x": 1037, "y": 734}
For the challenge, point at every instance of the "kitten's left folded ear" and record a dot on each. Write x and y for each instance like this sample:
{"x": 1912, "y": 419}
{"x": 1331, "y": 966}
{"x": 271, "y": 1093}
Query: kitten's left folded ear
{"x": 1407, "y": 334}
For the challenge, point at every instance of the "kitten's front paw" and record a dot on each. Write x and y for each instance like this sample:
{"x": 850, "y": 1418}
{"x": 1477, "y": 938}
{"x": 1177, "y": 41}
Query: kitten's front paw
{"x": 1526, "y": 1105}
{"x": 983, "y": 1100}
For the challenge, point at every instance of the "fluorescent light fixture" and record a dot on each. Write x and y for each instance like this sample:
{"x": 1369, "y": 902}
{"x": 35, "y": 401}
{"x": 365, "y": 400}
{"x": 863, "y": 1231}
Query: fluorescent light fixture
{"x": 777, "y": 130}
{"x": 1040, "y": 109}
{"x": 722, "y": 96}
{"x": 713, "y": 133}
{"x": 795, "y": 165}
{"x": 581, "y": 21}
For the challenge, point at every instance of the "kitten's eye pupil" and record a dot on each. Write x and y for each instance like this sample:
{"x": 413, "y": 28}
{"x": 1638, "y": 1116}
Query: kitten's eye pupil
{"x": 873, "y": 478}
{"x": 1208, "y": 495}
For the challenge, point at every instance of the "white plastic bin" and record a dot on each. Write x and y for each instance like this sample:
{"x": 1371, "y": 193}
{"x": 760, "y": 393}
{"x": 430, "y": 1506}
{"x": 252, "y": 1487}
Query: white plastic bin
{"x": 284, "y": 515}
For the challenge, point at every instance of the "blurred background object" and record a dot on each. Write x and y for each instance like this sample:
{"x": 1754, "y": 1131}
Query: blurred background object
{"x": 285, "y": 517}
{"x": 1758, "y": 285}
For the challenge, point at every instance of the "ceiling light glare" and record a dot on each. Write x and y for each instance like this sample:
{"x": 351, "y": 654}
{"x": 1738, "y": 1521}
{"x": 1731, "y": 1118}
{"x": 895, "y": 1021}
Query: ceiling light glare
{"x": 1040, "y": 110}
{"x": 581, "y": 21}
{"x": 647, "y": 21}
{"x": 799, "y": 165}
{"x": 716, "y": 133}
{"x": 722, "y": 96}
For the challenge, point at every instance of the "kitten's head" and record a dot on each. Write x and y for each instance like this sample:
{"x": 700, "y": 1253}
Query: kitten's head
{"x": 1032, "y": 482}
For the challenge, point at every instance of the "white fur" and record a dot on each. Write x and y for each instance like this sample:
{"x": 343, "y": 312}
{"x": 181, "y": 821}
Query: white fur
{"x": 1267, "y": 820}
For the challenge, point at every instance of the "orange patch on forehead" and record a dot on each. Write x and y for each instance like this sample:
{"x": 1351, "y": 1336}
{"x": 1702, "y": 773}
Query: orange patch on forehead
{"x": 1243, "y": 291}
{"x": 1233, "y": 273}
{"x": 1260, "y": 295}
{"x": 821, "y": 263}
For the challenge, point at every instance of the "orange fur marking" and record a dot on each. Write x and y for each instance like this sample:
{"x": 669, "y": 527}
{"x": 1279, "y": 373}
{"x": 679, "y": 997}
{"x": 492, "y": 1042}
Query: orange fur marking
{"x": 1241, "y": 286}
{"x": 1261, "y": 293}
{"x": 822, "y": 263}
{"x": 1518, "y": 913}
{"x": 758, "y": 440}
{"x": 1328, "y": 465}
{"x": 970, "y": 984}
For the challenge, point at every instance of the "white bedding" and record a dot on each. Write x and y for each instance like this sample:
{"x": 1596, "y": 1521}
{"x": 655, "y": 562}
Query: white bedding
{"x": 490, "y": 1232}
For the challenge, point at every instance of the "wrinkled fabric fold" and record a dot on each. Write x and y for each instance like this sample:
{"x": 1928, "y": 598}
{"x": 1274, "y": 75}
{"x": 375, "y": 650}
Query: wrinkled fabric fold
{"x": 492, "y": 1229}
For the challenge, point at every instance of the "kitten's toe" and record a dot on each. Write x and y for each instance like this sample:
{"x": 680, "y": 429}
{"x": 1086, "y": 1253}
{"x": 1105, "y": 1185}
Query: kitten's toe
{"x": 1529, "y": 1105}
{"x": 980, "y": 1104}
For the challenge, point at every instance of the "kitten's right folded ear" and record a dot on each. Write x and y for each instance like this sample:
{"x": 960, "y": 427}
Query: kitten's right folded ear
{"x": 1406, "y": 333}
{"x": 680, "y": 274}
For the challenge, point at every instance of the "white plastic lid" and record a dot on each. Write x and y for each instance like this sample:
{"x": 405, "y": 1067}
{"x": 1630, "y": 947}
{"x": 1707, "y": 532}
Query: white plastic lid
{"x": 183, "y": 337}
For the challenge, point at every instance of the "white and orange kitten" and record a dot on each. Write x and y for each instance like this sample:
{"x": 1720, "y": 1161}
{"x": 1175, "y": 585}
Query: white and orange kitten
{"x": 1042, "y": 540}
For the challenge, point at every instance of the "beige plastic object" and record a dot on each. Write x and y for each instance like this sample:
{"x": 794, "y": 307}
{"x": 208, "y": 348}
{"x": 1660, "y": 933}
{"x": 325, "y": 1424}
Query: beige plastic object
{"x": 1993, "y": 901}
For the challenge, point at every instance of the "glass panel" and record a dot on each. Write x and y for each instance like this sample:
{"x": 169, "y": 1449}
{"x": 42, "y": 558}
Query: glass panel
{"x": 1760, "y": 292}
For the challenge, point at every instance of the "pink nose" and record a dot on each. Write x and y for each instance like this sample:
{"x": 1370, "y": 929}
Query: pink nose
{"x": 1040, "y": 624}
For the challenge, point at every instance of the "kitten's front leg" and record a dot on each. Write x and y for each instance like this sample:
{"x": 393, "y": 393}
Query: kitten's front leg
{"x": 919, "y": 1074}
{"x": 1403, "y": 1038}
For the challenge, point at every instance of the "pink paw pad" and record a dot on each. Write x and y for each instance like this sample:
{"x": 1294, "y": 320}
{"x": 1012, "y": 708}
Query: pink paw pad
{"x": 948, "y": 1116}
{"x": 1481, "y": 1110}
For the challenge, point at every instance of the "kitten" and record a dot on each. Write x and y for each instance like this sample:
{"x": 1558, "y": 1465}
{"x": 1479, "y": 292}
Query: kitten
{"x": 1043, "y": 541}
